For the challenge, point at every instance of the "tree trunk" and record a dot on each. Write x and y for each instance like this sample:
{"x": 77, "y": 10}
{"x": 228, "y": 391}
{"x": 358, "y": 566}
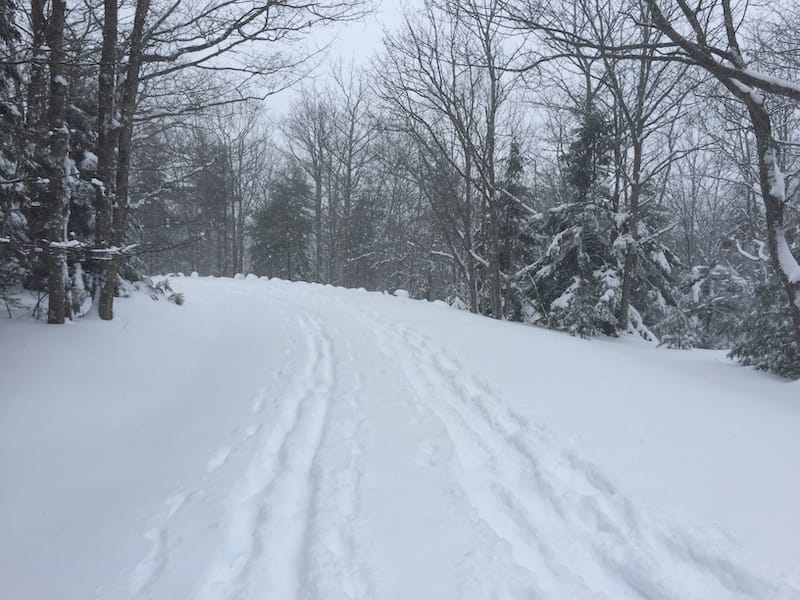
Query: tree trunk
{"x": 59, "y": 143}
{"x": 469, "y": 256}
{"x": 107, "y": 128}
{"x": 37, "y": 85}
{"x": 631, "y": 250}
{"x": 318, "y": 226}
{"x": 333, "y": 230}
{"x": 774, "y": 204}
{"x": 120, "y": 217}
{"x": 494, "y": 262}
{"x": 347, "y": 209}
{"x": 240, "y": 258}
{"x": 36, "y": 127}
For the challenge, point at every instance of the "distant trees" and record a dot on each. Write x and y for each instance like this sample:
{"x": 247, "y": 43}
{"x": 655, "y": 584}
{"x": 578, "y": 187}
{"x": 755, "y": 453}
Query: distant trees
{"x": 447, "y": 76}
{"x": 197, "y": 186}
{"x": 307, "y": 131}
{"x": 13, "y": 225}
{"x": 709, "y": 38}
{"x": 595, "y": 167}
{"x": 282, "y": 227}
{"x": 88, "y": 84}
{"x": 671, "y": 36}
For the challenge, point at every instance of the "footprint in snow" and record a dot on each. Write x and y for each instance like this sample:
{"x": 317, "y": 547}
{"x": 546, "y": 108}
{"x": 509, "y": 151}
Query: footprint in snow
{"x": 219, "y": 458}
{"x": 429, "y": 454}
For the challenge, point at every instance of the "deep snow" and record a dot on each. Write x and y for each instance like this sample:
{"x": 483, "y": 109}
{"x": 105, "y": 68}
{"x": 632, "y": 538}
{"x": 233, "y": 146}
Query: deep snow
{"x": 276, "y": 440}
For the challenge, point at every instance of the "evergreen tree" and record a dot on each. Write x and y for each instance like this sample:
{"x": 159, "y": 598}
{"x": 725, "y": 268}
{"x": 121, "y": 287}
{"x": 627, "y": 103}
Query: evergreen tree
{"x": 576, "y": 285}
{"x": 517, "y": 247}
{"x": 765, "y": 339}
{"x": 282, "y": 228}
{"x": 589, "y": 157}
{"x": 13, "y": 224}
{"x": 761, "y": 324}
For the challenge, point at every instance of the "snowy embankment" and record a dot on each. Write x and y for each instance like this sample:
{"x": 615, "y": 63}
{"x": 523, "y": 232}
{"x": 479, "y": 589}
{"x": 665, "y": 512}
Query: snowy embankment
{"x": 277, "y": 440}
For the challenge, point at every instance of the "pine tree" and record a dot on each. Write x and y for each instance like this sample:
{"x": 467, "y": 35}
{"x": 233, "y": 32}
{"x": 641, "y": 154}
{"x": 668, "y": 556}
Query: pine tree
{"x": 576, "y": 285}
{"x": 517, "y": 247}
{"x": 762, "y": 323}
{"x": 13, "y": 224}
{"x": 282, "y": 229}
{"x": 765, "y": 337}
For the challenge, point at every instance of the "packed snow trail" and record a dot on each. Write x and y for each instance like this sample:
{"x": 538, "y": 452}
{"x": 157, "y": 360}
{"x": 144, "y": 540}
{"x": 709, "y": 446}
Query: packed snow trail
{"x": 365, "y": 462}
{"x": 269, "y": 513}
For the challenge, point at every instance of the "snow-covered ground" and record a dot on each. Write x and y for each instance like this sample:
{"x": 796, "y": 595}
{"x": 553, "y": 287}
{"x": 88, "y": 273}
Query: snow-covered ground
{"x": 280, "y": 441}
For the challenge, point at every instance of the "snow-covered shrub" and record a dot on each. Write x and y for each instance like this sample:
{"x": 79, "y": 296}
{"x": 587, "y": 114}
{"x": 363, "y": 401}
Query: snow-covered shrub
{"x": 575, "y": 285}
{"x": 79, "y": 297}
{"x": 764, "y": 336}
{"x": 593, "y": 242}
{"x": 159, "y": 289}
{"x": 714, "y": 300}
{"x": 679, "y": 329}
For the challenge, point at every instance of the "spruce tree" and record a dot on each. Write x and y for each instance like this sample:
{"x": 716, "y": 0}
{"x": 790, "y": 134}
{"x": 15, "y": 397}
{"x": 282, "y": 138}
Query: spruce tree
{"x": 576, "y": 285}
{"x": 282, "y": 229}
{"x": 14, "y": 261}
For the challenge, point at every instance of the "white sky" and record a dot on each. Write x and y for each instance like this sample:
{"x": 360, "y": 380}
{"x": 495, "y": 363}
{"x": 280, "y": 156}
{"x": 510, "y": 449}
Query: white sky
{"x": 357, "y": 41}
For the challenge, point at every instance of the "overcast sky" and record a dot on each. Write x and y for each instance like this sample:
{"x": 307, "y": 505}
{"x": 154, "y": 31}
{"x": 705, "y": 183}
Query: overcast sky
{"x": 357, "y": 41}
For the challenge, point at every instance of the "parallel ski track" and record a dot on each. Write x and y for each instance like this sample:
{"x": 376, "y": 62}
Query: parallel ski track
{"x": 269, "y": 516}
{"x": 563, "y": 520}
{"x": 289, "y": 526}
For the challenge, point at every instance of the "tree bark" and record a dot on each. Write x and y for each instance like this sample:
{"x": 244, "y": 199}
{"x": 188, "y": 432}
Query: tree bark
{"x": 37, "y": 85}
{"x": 120, "y": 216}
{"x": 59, "y": 142}
{"x": 632, "y": 227}
{"x": 107, "y": 129}
{"x": 318, "y": 224}
{"x": 469, "y": 257}
{"x": 774, "y": 204}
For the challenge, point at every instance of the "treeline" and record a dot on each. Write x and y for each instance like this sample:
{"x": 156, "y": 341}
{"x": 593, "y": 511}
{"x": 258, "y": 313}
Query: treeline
{"x": 84, "y": 87}
{"x": 595, "y": 167}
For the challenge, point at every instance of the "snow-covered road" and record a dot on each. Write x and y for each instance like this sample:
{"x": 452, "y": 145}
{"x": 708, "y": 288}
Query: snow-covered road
{"x": 286, "y": 441}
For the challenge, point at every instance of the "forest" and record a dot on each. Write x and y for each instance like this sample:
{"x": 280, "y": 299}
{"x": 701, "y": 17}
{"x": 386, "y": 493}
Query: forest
{"x": 601, "y": 167}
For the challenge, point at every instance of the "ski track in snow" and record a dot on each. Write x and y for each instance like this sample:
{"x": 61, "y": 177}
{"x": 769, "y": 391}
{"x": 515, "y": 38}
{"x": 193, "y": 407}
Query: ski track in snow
{"x": 281, "y": 543}
{"x": 564, "y": 522}
{"x": 333, "y": 562}
{"x": 293, "y": 529}
{"x": 147, "y": 571}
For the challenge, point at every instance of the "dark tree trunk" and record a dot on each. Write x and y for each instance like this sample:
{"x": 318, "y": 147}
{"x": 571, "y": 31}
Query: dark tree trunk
{"x": 472, "y": 276}
{"x": 120, "y": 218}
{"x": 774, "y": 205}
{"x": 631, "y": 228}
{"x": 494, "y": 261}
{"x": 107, "y": 129}
{"x": 37, "y": 86}
{"x": 35, "y": 139}
{"x": 57, "y": 207}
{"x": 318, "y": 226}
